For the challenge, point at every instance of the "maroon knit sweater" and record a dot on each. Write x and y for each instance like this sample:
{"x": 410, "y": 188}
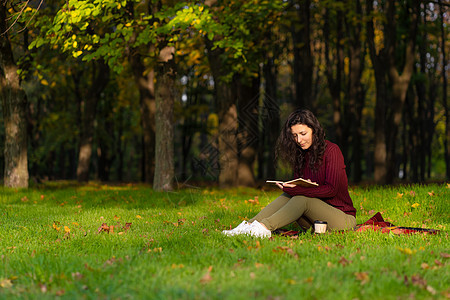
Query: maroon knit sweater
{"x": 332, "y": 180}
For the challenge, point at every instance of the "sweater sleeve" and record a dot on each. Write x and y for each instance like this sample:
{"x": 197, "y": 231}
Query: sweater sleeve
{"x": 334, "y": 177}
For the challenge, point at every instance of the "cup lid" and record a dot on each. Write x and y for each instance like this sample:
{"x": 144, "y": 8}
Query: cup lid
{"x": 320, "y": 222}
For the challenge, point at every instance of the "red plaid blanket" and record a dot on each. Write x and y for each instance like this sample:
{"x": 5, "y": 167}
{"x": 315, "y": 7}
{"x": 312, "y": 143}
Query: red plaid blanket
{"x": 376, "y": 223}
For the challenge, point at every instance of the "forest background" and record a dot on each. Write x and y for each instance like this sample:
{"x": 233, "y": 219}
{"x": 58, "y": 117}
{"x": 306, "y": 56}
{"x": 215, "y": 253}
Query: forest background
{"x": 184, "y": 92}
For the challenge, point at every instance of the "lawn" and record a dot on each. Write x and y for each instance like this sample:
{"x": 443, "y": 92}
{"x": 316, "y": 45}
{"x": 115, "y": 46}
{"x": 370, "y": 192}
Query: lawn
{"x": 130, "y": 242}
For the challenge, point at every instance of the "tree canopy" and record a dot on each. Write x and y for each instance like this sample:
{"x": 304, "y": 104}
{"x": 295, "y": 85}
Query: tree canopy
{"x": 170, "y": 91}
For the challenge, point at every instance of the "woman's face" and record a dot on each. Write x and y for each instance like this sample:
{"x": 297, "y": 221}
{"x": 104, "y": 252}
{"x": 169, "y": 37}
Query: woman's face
{"x": 302, "y": 135}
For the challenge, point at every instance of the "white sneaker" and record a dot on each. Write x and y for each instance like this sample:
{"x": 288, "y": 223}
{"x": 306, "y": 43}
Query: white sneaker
{"x": 240, "y": 229}
{"x": 256, "y": 229}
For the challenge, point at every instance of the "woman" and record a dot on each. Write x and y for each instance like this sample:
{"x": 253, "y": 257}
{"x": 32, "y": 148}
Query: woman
{"x": 303, "y": 146}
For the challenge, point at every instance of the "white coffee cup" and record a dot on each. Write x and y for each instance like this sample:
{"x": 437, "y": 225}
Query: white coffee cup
{"x": 320, "y": 226}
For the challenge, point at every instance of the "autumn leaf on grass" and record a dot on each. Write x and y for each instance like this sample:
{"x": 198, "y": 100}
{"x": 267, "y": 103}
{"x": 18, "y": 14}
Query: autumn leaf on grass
{"x": 415, "y": 205}
{"x": 253, "y": 201}
{"x": 343, "y": 261}
{"x": 406, "y": 251}
{"x": 125, "y": 228}
{"x": 55, "y": 225}
{"x": 207, "y": 277}
{"x": 287, "y": 250}
{"x": 5, "y": 283}
{"x": 363, "y": 277}
{"x": 104, "y": 228}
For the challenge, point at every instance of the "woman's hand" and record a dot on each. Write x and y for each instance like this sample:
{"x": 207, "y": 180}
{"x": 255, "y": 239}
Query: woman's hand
{"x": 282, "y": 185}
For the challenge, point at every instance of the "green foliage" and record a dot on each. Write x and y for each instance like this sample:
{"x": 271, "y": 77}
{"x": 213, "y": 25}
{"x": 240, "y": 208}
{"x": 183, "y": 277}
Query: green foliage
{"x": 72, "y": 241}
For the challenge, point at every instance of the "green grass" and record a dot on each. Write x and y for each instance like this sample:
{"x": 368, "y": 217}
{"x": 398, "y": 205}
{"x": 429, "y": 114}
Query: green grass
{"x": 50, "y": 246}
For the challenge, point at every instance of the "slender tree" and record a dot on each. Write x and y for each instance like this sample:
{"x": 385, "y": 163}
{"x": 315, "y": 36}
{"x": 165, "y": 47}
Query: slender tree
{"x": 391, "y": 84}
{"x": 14, "y": 106}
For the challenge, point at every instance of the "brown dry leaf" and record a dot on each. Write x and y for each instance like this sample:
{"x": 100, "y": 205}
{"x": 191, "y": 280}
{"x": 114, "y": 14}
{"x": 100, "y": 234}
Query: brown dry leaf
{"x": 254, "y": 201}
{"x": 363, "y": 277}
{"x": 418, "y": 281}
{"x": 207, "y": 277}
{"x": 424, "y": 266}
{"x": 126, "y": 226}
{"x": 445, "y": 255}
{"x": 103, "y": 227}
{"x": 343, "y": 261}
{"x": 438, "y": 263}
{"x": 286, "y": 249}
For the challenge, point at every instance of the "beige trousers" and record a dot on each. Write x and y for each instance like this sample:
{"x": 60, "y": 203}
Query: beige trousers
{"x": 286, "y": 209}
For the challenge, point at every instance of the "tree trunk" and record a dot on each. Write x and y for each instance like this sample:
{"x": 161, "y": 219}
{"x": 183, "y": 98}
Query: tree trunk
{"x": 355, "y": 92}
{"x": 303, "y": 61}
{"x": 88, "y": 109}
{"x": 385, "y": 67}
{"x": 228, "y": 122}
{"x": 146, "y": 86}
{"x": 165, "y": 99}
{"x": 380, "y": 169}
{"x": 248, "y": 130}
{"x": 334, "y": 72}
{"x": 444, "y": 92}
{"x": 14, "y": 103}
{"x": 270, "y": 117}
{"x": 399, "y": 83}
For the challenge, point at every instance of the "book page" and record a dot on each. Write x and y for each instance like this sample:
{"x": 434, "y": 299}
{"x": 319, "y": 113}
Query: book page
{"x": 298, "y": 181}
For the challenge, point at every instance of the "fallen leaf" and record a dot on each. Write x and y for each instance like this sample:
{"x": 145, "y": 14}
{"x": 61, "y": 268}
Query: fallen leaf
{"x": 291, "y": 281}
{"x": 138, "y": 216}
{"x": 418, "y": 281}
{"x": 103, "y": 228}
{"x": 343, "y": 261}
{"x": 207, "y": 277}
{"x": 431, "y": 290}
{"x": 363, "y": 277}
{"x": 66, "y": 229}
{"x": 406, "y": 251}
{"x": 5, "y": 283}
{"x": 126, "y": 226}
{"x": 437, "y": 262}
{"x": 55, "y": 226}
{"x": 445, "y": 255}
{"x": 415, "y": 205}
{"x": 431, "y": 193}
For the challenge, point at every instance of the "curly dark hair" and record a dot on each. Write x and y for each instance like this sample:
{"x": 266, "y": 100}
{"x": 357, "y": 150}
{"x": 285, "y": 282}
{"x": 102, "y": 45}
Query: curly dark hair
{"x": 287, "y": 149}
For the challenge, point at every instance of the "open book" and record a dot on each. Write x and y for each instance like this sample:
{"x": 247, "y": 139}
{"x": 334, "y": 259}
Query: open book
{"x": 298, "y": 181}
